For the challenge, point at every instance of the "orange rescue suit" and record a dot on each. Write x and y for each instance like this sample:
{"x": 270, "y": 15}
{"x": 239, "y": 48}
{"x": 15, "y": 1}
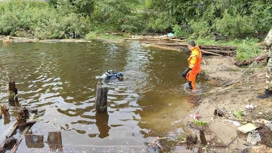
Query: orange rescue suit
{"x": 194, "y": 62}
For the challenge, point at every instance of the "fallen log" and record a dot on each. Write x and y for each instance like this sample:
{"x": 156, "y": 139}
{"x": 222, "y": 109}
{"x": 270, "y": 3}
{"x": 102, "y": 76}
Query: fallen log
{"x": 251, "y": 60}
{"x": 229, "y": 48}
{"x": 16, "y": 145}
{"x": 210, "y": 53}
{"x": 14, "y": 127}
{"x": 161, "y": 47}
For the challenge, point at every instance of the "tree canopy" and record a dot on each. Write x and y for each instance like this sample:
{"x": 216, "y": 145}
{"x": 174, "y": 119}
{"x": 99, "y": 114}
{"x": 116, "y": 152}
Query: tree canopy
{"x": 213, "y": 19}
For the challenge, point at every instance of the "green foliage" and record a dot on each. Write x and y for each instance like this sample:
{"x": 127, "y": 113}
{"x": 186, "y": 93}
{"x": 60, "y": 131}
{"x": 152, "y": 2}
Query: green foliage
{"x": 234, "y": 26}
{"x": 210, "y": 19}
{"x": 91, "y": 36}
{"x": 117, "y": 14}
{"x": 177, "y": 30}
{"x": 161, "y": 23}
{"x": 39, "y": 20}
{"x": 238, "y": 114}
{"x": 200, "y": 123}
{"x": 83, "y": 7}
{"x": 247, "y": 49}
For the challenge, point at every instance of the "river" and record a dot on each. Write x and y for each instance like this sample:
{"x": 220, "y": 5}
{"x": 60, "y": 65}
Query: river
{"x": 59, "y": 79}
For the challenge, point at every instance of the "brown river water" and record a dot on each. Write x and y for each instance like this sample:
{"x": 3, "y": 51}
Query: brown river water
{"x": 59, "y": 79}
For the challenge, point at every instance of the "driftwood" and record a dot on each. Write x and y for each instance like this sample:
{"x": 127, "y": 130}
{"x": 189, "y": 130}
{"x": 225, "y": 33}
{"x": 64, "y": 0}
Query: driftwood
{"x": 15, "y": 147}
{"x": 209, "y": 47}
{"x": 251, "y": 60}
{"x": 178, "y": 49}
{"x": 161, "y": 47}
{"x": 209, "y": 53}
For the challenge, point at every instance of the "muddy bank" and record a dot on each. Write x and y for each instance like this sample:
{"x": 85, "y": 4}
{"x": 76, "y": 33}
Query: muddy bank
{"x": 236, "y": 90}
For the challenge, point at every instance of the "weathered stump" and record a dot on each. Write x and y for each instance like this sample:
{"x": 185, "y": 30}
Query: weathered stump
{"x": 22, "y": 116}
{"x": 190, "y": 141}
{"x": 101, "y": 99}
{"x": 202, "y": 137}
{"x": 55, "y": 141}
{"x": 5, "y": 111}
{"x": 34, "y": 141}
{"x": 12, "y": 92}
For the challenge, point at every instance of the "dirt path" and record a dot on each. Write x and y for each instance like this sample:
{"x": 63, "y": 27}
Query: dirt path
{"x": 244, "y": 85}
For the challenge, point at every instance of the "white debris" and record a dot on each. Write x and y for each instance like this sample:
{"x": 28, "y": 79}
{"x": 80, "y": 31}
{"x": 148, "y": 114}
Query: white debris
{"x": 250, "y": 107}
{"x": 254, "y": 137}
{"x": 247, "y": 128}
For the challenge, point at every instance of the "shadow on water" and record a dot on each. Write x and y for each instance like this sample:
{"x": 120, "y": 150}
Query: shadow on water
{"x": 60, "y": 80}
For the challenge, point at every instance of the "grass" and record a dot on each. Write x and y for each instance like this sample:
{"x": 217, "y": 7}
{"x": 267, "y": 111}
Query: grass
{"x": 246, "y": 48}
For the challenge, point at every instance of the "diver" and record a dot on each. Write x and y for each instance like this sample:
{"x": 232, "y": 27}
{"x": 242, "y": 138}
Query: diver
{"x": 110, "y": 75}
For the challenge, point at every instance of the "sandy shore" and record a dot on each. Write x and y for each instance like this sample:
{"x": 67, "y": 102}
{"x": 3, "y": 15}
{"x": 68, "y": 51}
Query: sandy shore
{"x": 244, "y": 84}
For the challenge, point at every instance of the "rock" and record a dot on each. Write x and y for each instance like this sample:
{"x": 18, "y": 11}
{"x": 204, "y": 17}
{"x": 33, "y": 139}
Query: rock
{"x": 247, "y": 128}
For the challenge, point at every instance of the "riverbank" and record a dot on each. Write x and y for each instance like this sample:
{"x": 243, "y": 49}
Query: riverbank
{"x": 244, "y": 84}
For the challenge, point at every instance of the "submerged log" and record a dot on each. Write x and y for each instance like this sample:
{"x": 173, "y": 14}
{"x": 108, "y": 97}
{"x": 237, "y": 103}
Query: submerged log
{"x": 251, "y": 60}
{"x": 101, "y": 99}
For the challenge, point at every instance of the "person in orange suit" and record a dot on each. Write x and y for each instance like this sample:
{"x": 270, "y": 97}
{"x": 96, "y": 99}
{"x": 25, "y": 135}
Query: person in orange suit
{"x": 194, "y": 62}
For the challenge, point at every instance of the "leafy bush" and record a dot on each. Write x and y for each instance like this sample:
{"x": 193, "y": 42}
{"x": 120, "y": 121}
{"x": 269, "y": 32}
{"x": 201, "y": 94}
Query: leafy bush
{"x": 161, "y": 22}
{"x": 38, "y": 19}
{"x": 234, "y": 26}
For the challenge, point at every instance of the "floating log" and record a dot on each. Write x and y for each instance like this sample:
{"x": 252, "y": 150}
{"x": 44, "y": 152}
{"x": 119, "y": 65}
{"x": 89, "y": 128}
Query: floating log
{"x": 251, "y": 60}
{"x": 101, "y": 99}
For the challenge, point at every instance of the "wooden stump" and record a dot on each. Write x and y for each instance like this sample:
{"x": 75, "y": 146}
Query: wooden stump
{"x": 12, "y": 92}
{"x": 54, "y": 141}
{"x": 101, "y": 99}
{"x": 34, "y": 141}
{"x": 4, "y": 111}
{"x": 22, "y": 116}
{"x": 202, "y": 137}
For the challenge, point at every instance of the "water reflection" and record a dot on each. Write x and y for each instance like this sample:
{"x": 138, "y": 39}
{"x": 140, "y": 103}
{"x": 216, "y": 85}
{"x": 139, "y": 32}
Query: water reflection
{"x": 102, "y": 121}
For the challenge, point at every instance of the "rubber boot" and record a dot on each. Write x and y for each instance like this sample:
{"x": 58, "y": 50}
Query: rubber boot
{"x": 267, "y": 94}
{"x": 190, "y": 85}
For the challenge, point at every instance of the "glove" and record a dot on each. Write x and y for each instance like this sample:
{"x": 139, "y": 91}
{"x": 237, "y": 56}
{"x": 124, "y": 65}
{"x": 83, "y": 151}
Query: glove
{"x": 267, "y": 59}
{"x": 185, "y": 72}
